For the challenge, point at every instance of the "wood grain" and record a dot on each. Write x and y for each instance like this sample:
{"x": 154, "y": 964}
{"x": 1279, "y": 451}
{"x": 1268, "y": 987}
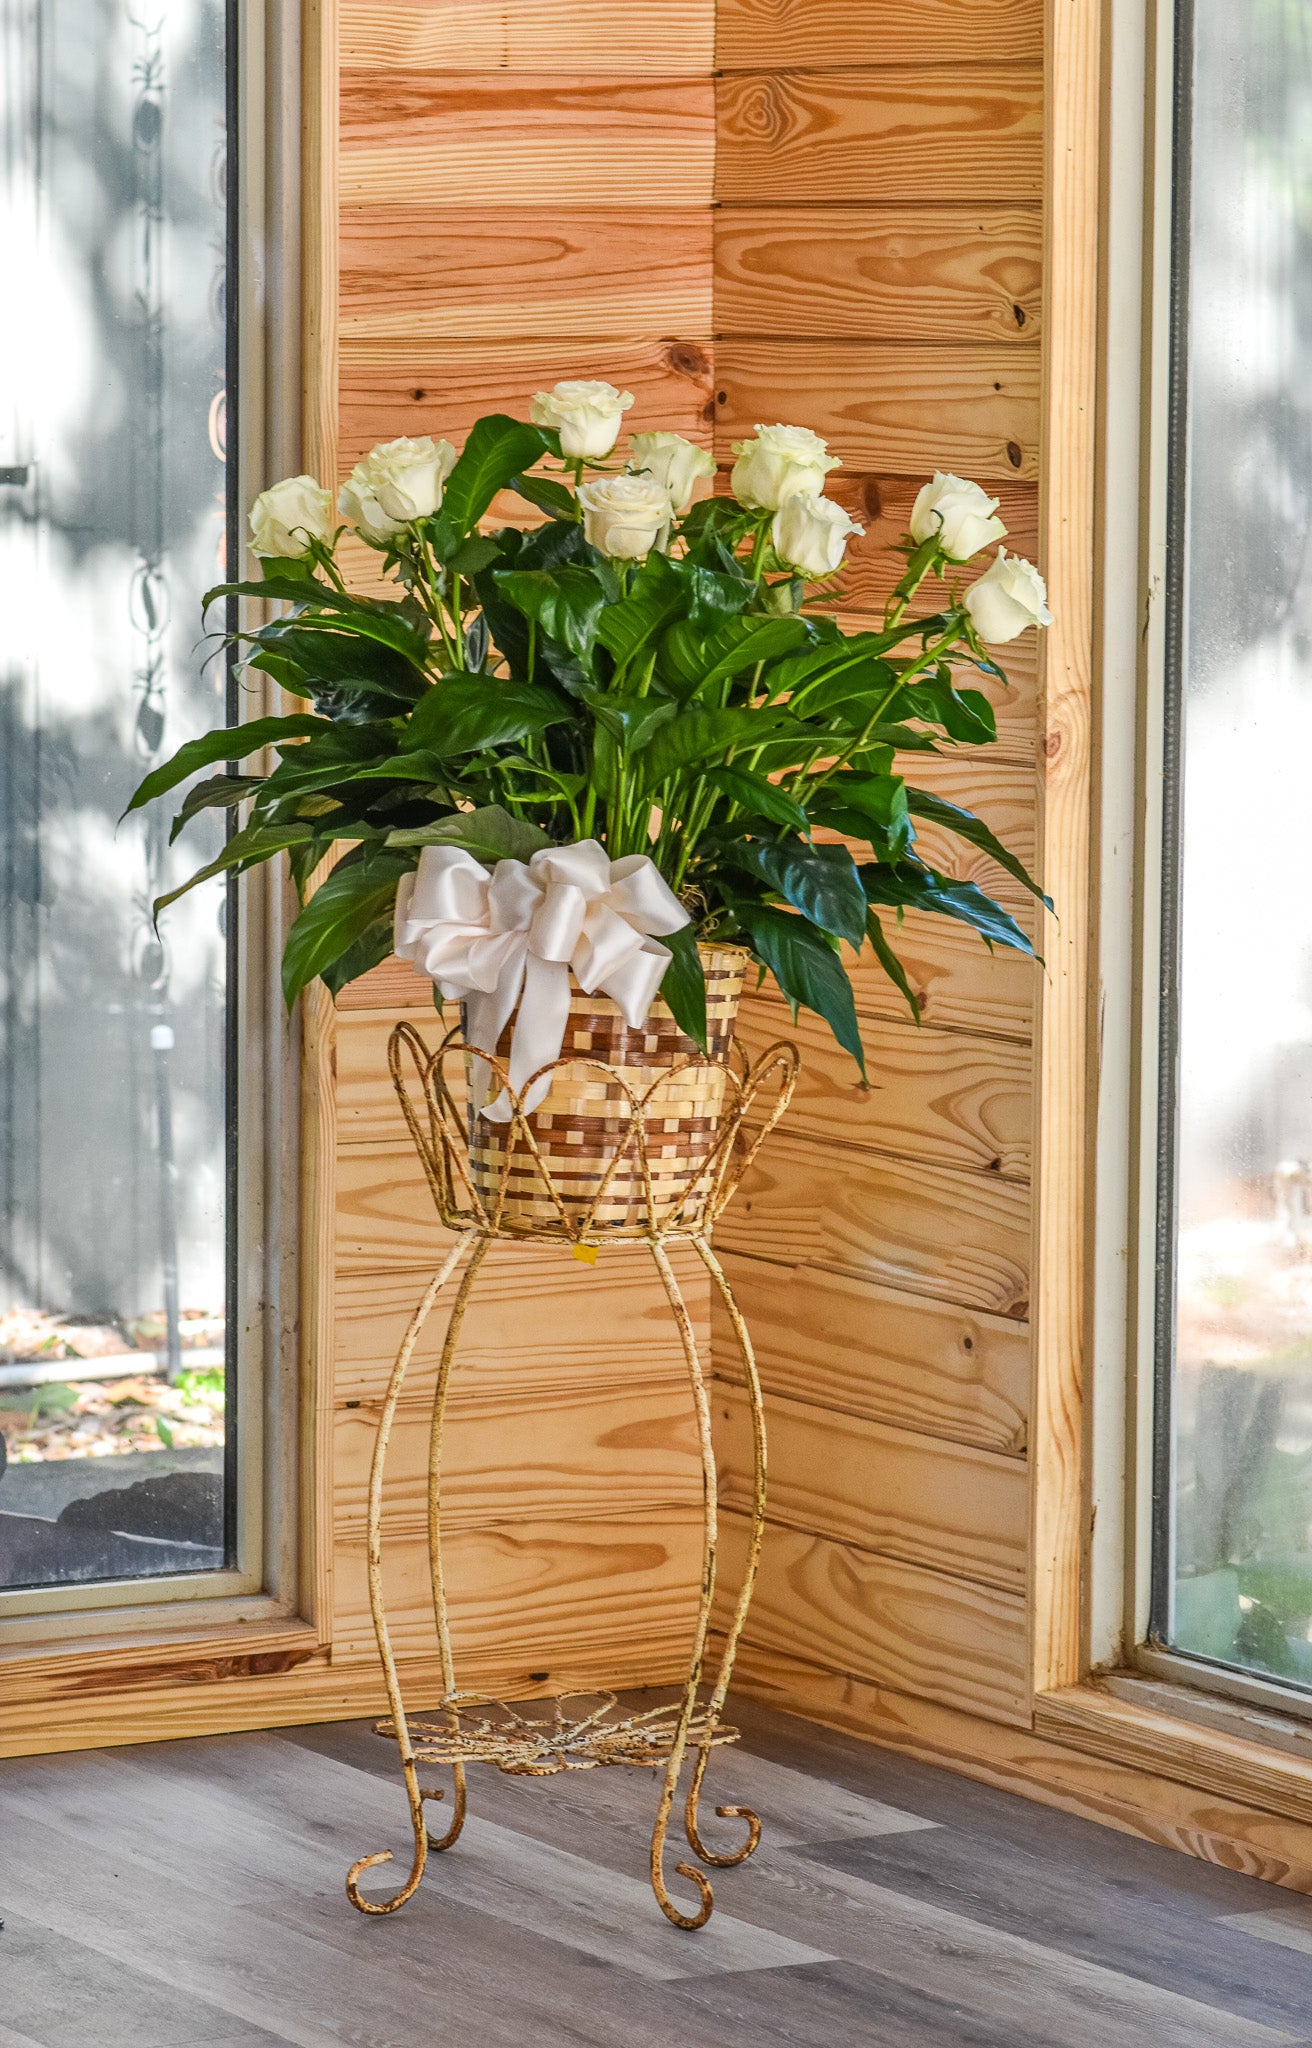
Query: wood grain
{"x": 937, "y": 1096}
{"x": 882, "y": 505}
{"x": 497, "y": 139}
{"x": 902, "y": 408}
{"x": 838, "y": 1342}
{"x": 513, "y": 1456}
{"x": 591, "y": 1327}
{"x": 974, "y": 133}
{"x": 391, "y": 387}
{"x": 1090, "y": 1719}
{"x": 956, "y": 1237}
{"x": 917, "y": 1631}
{"x": 1224, "y": 1830}
{"x": 759, "y": 34}
{"x": 528, "y": 35}
{"x": 952, "y": 1509}
{"x": 428, "y": 272}
{"x": 907, "y": 273}
{"x": 1066, "y": 1106}
{"x": 957, "y": 981}
{"x": 557, "y": 1597}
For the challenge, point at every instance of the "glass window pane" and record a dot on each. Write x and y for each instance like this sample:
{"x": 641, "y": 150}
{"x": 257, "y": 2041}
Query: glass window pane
{"x": 113, "y": 514}
{"x": 1235, "y": 1549}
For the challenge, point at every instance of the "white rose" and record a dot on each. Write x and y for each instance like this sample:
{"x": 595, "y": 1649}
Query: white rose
{"x": 288, "y": 515}
{"x": 810, "y": 533}
{"x": 674, "y": 462}
{"x": 358, "y": 504}
{"x": 585, "y": 413}
{"x": 1008, "y": 597}
{"x": 779, "y": 463}
{"x": 623, "y": 515}
{"x": 959, "y": 512}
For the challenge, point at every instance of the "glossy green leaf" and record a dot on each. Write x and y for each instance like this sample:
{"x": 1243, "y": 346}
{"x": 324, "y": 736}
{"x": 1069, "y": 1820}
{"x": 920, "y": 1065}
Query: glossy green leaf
{"x": 463, "y": 714}
{"x": 923, "y": 804}
{"x": 490, "y": 834}
{"x": 245, "y": 849}
{"x": 221, "y": 792}
{"x": 225, "y": 743}
{"x": 820, "y": 881}
{"x": 547, "y": 495}
{"x": 496, "y": 451}
{"x": 758, "y": 797}
{"x": 891, "y": 965}
{"x": 807, "y": 969}
{"x": 566, "y": 603}
{"x": 684, "y": 984}
{"x": 699, "y": 736}
{"x": 356, "y": 895}
{"x": 696, "y": 662}
{"x": 912, "y": 886}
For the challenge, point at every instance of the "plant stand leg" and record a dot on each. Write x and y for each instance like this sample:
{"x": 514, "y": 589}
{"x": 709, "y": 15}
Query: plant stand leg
{"x": 674, "y": 1763}
{"x": 414, "y": 1794}
{"x": 446, "y": 1362}
{"x": 715, "y": 1706}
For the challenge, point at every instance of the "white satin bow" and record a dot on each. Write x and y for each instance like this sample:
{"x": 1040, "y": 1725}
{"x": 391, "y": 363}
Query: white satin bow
{"x": 513, "y": 934}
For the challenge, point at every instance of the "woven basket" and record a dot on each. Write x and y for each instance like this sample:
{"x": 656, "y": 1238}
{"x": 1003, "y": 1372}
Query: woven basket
{"x": 611, "y": 1170}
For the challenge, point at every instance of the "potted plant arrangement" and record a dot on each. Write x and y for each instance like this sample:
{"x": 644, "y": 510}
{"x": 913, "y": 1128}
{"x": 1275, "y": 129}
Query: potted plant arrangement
{"x": 609, "y": 759}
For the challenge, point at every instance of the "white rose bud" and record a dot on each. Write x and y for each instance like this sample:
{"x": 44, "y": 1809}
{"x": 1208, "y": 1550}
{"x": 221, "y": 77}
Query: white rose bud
{"x": 398, "y": 482}
{"x": 810, "y": 533}
{"x": 779, "y": 463}
{"x": 286, "y": 517}
{"x": 585, "y": 413}
{"x": 1008, "y": 597}
{"x": 674, "y": 462}
{"x": 624, "y": 515}
{"x": 960, "y": 513}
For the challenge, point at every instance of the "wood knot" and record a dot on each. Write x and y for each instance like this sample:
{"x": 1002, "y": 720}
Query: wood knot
{"x": 687, "y": 359}
{"x": 1014, "y": 455}
{"x": 872, "y": 504}
{"x": 1052, "y": 744}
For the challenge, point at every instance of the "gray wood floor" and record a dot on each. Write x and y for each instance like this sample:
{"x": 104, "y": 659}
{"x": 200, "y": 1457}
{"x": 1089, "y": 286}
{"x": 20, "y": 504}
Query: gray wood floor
{"x": 189, "y": 1895}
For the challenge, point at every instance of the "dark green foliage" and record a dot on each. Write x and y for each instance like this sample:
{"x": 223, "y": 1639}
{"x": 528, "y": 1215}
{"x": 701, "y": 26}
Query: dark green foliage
{"x": 526, "y": 692}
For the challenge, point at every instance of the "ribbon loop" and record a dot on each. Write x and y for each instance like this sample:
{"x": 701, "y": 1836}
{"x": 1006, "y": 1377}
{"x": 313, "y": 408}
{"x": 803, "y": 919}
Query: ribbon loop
{"x": 514, "y": 933}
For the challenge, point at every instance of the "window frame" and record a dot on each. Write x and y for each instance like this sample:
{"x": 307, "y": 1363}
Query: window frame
{"x": 264, "y": 427}
{"x": 1130, "y": 1480}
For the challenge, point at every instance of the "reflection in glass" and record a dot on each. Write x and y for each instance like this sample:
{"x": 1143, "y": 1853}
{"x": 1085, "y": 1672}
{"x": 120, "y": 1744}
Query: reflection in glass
{"x": 112, "y": 1039}
{"x": 1238, "y": 1569}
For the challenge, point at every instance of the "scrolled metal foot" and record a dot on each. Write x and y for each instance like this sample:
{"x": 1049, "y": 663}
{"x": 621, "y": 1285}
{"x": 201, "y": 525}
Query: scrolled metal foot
{"x": 414, "y": 1795}
{"x": 718, "y": 1859}
{"x": 666, "y": 1903}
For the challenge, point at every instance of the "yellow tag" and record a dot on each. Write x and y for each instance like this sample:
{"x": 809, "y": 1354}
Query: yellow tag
{"x": 586, "y": 1254}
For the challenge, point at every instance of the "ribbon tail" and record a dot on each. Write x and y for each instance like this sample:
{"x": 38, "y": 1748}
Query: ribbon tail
{"x": 486, "y": 1017}
{"x": 539, "y": 1033}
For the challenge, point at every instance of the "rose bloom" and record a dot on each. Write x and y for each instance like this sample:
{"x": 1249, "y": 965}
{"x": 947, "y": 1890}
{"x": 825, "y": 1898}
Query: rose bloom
{"x": 585, "y": 413}
{"x": 674, "y": 462}
{"x": 623, "y": 516}
{"x": 959, "y": 512}
{"x": 1008, "y": 597}
{"x": 286, "y": 517}
{"x": 398, "y": 482}
{"x": 810, "y": 533}
{"x": 779, "y": 463}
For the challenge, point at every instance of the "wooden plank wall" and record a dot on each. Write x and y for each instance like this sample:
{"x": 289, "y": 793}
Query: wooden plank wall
{"x": 525, "y": 194}
{"x": 878, "y": 241}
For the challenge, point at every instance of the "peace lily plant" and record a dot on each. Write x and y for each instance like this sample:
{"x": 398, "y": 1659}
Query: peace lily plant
{"x": 629, "y": 700}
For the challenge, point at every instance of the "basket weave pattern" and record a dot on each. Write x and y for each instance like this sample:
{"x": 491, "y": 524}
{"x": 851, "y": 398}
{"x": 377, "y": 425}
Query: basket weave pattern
{"x": 640, "y": 1133}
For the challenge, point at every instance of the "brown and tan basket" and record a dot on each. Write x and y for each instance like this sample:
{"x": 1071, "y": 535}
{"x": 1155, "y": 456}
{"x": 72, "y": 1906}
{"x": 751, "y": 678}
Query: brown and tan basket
{"x": 580, "y": 1127}
{"x": 638, "y": 1134}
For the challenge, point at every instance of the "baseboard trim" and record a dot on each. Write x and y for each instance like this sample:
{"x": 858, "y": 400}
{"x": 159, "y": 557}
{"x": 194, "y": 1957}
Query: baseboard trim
{"x": 1120, "y": 1792}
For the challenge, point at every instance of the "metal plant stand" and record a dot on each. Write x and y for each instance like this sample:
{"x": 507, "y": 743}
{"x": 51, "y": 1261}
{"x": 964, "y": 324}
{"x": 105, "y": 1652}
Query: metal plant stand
{"x": 640, "y": 1174}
